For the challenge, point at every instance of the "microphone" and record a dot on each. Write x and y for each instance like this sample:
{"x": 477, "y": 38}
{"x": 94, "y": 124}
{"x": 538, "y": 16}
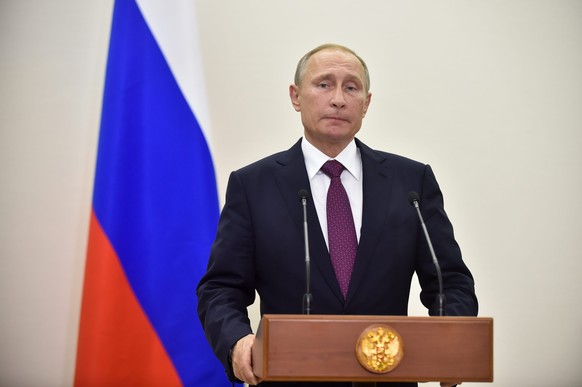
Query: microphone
{"x": 303, "y": 195}
{"x": 414, "y": 200}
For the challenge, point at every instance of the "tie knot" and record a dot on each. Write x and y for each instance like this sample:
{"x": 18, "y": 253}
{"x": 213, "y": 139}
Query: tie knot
{"x": 332, "y": 168}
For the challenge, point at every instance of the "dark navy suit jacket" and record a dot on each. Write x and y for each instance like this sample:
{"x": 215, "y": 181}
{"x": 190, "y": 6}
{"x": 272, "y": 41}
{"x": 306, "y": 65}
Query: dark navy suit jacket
{"x": 260, "y": 245}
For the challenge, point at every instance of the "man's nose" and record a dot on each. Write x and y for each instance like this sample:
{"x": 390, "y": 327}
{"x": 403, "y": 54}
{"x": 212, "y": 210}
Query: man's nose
{"x": 337, "y": 99}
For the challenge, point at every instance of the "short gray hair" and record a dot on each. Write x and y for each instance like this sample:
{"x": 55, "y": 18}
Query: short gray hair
{"x": 301, "y": 66}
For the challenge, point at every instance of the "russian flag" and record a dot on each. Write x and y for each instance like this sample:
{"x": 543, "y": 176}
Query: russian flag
{"x": 155, "y": 212}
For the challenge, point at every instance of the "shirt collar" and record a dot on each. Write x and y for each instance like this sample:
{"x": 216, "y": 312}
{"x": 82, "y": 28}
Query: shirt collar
{"x": 349, "y": 157}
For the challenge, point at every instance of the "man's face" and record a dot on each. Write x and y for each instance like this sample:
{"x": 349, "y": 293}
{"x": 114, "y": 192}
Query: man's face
{"x": 332, "y": 99}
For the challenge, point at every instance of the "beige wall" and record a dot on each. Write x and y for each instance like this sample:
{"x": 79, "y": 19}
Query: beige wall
{"x": 488, "y": 92}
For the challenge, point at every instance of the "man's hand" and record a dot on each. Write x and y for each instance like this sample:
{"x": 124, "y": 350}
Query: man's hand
{"x": 242, "y": 362}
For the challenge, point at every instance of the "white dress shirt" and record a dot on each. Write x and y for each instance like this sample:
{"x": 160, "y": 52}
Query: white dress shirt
{"x": 351, "y": 179}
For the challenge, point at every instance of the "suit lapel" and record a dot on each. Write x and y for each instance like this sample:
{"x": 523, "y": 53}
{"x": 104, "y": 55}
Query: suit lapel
{"x": 291, "y": 177}
{"x": 377, "y": 179}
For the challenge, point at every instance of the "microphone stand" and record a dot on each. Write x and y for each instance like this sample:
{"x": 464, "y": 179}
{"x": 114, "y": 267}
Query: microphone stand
{"x": 307, "y": 298}
{"x": 413, "y": 197}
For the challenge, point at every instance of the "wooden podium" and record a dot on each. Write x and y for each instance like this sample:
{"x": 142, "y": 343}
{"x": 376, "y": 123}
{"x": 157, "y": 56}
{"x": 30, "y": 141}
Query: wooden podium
{"x": 323, "y": 348}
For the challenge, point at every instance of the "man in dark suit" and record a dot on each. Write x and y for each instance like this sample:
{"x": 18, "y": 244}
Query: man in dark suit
{"x": 260, "y": 245}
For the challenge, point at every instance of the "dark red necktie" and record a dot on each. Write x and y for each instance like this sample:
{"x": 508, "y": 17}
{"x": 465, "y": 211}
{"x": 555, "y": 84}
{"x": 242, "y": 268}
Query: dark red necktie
{"x": 341, "y": 231}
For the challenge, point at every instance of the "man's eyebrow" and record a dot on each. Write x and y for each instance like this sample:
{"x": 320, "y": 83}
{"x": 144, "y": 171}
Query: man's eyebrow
{"x": 323, "y": 76}
{"x": 332, "y": 77}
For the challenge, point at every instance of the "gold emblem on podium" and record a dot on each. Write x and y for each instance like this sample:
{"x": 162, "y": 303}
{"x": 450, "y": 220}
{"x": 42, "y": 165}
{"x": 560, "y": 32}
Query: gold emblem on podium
{"x": 379, "y": 349}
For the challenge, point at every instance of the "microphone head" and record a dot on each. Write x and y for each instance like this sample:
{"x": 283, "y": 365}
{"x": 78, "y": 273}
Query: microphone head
{"x": 413, "y": 197}
{"x": 303, "y": 194}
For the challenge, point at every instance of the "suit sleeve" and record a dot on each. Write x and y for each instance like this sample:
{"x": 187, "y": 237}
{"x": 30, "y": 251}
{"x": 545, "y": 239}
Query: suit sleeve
{"x": 458, "y": 283}
{"x": 228, "y": 287}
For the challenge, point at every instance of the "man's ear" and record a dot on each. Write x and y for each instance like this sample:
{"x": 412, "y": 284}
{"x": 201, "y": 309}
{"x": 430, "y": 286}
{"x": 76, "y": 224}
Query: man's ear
{"x": 294, "y": 95}
{"x": 367, "y": 103}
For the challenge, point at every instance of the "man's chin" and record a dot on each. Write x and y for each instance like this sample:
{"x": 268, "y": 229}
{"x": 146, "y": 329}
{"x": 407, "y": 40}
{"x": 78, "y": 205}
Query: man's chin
{"x": 339, "y": 133}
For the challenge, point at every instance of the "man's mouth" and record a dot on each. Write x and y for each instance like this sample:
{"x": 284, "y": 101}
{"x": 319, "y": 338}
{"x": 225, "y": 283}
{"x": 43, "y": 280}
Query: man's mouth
{"x": 335, "y": 118}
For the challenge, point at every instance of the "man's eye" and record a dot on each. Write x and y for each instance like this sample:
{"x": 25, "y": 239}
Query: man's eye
{"x": 323, "y": 85}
